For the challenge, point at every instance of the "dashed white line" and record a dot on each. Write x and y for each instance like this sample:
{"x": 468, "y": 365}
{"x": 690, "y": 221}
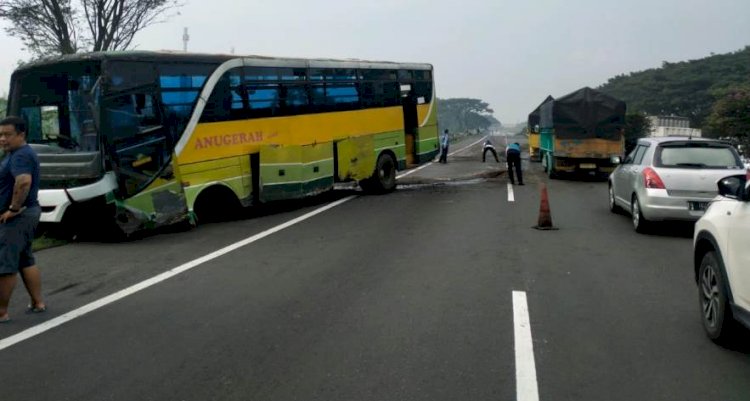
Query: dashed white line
{"x": 526, "y": 384}
{"x": 66, "y": 317}
{"x": 511, "y": 198}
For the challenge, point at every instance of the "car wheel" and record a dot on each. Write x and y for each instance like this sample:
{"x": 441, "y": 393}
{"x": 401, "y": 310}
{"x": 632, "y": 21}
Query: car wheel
{"x": 612, "y": 203}
{"x": 640, "y": 224}
{"x": 715, "y": 313}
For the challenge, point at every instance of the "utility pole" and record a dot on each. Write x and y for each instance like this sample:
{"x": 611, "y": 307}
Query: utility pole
{"x": 185, "y": 39}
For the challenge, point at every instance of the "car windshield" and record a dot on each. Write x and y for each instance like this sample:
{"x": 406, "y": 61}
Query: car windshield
{"x": 715, "y": 156}
{"x": 59, "y": 106}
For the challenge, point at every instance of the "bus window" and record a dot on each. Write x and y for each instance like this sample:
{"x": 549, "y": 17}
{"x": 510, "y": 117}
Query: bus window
{"x": 423, "y": 90}
{"x": 123, "y": 76}
{"x": 263, "y": 99}
{"x": 261, "y": 74}
{"x": 342, "y": 96}
{"x": 227, "y": 99}
{"x": 294, "y": 99}
{"x": 405, "y": 75}
{"x": 391, "y": 94}
{"x": 180, "y": 86}
{"x": 292, "y": 74}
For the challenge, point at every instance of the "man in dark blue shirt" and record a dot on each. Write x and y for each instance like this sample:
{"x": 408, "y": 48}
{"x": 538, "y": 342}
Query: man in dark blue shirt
{"x": 20, "y": 212}
{"x": 513, "y": 157}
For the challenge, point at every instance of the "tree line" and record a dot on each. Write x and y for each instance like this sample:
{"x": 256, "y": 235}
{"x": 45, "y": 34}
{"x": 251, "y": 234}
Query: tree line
{"x": 464, "y": 115}
{"x": 714, "y": 92}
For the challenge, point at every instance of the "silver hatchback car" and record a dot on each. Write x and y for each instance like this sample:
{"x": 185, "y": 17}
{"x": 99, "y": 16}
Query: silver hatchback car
{"x": 670, "y": 178}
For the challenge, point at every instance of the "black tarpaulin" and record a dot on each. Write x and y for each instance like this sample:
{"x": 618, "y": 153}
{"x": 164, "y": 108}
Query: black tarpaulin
{"x": 534, "y": 115}
{"x": 585, "y": 113}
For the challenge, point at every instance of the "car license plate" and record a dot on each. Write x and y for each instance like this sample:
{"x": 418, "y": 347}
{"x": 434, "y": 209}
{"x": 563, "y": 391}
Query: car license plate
{"x": 697, "y": 206}
{"x": 587, "y": 165}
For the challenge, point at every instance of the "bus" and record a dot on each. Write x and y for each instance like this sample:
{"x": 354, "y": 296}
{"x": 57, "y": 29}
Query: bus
{"x": 146, "y": 139}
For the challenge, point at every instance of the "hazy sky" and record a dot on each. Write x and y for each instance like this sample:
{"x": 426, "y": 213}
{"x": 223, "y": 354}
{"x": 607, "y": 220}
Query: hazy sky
{"x": 510, "y": 53}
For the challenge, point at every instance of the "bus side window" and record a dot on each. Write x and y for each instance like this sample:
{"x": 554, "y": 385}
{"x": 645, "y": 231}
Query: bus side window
{"x": 228, "y": 99}
{"x": 264, "y": 99}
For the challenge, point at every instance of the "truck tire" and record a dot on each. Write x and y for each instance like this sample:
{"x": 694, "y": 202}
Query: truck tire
{"x": 551, "y": 173}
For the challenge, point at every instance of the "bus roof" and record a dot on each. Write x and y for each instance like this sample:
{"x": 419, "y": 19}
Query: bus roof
{"x": 250, "y": 60}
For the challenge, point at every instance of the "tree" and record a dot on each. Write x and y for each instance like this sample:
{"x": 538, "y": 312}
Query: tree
{"x": 465, "y": 114}
{"x": 54, "y": 27}
{"x": 685, "y": 88}
{"x": 730, "y": 116}
{"x": 636, "y": 126}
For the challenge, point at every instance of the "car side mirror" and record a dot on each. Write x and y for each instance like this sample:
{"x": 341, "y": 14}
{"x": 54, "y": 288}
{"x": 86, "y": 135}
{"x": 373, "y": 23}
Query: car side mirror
{"x": 733, "y": 187}
{"x": 615, "y": 160}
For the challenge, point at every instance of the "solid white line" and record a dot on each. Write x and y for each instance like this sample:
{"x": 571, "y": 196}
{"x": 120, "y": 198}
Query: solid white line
{"x": 526, "y": 385}
{"x": 413, "y": 170}
{"x": 66, "y": 317}
{"x": 466, "y": 147}
{"x": 432, "y": 162}
{"x": 510, "y": 193}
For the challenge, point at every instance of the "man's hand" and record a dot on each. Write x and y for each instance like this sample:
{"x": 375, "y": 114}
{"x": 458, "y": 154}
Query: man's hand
{"x": 8, "y": 215}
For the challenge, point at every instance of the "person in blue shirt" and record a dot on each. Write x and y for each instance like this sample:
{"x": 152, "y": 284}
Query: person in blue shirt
{"x": 513, "y": 156}
{"x": 444, "y": 141}
{"x": 19, "y": 216}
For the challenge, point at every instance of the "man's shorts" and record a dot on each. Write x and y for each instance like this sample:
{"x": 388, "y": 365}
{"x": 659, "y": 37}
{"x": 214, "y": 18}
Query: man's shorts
{"x": 16, "y": 236}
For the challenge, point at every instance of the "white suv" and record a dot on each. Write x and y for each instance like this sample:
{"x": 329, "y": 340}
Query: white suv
{"x": 722, "y": 260}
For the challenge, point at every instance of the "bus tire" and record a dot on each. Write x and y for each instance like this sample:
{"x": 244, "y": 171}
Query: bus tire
{"x": 383, "y": 179}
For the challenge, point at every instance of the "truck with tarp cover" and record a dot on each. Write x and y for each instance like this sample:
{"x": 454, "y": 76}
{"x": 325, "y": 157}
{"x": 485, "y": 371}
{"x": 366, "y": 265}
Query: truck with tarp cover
{"x": 581, "y": 132}
{"x": 532, "y": 131}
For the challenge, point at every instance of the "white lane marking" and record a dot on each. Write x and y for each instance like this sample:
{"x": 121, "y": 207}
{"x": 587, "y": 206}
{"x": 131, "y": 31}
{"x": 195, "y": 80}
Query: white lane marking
{"x": 526, "y": 384}
{"x": 414, "y": 170}
{"x": 466, "y": 147}
{"x": 510, "y": 193}
{"x": 66, "y": 317}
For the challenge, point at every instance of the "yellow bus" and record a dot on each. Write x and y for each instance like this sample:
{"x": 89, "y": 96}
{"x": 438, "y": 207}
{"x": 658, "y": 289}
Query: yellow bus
{"x": 144, "y": 139}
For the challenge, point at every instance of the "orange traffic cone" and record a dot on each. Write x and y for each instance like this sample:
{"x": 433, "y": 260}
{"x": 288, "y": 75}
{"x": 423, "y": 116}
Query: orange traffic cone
{"x": 545, "y": 219}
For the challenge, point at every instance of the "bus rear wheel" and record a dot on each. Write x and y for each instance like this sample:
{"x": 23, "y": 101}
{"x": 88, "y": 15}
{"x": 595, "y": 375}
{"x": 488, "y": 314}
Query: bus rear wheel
{"x": 383, "y": 179}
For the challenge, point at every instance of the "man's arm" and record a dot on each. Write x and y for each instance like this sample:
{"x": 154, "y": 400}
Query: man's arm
{"x": 20, "y": 191}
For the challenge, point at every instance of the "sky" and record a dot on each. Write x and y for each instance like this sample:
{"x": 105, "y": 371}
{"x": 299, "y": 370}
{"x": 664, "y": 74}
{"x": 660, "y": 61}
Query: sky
{"x": 509, "y": 53}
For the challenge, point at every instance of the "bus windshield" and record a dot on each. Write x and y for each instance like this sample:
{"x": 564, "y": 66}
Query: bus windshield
{"x": 60, "y": 105}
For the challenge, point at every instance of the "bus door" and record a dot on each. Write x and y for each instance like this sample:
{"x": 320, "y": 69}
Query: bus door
{"x": 409, "y": 105}
{"x": 139, "y": 147}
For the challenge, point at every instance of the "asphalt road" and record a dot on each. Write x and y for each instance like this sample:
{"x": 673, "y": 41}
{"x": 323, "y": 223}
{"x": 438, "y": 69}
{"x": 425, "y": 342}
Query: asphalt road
{"x": 405, "y": 296}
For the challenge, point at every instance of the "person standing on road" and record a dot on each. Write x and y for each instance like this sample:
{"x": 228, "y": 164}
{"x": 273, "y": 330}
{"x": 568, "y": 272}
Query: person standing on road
{"x": 444, "y": 141}
{"x": 19, "y": 186}
{"x": 513, "y": 156}
{"x": 488, "y": 147}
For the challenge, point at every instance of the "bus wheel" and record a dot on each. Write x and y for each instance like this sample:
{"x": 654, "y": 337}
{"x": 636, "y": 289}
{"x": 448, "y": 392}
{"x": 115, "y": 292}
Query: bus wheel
{"x": 216, "y": 204}
{"x": 384, "y": 177}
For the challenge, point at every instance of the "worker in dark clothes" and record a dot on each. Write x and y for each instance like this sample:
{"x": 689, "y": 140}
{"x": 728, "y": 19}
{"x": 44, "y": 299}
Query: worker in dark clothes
{"x": 489, "y": 148}
{"x": 513, "y": 156}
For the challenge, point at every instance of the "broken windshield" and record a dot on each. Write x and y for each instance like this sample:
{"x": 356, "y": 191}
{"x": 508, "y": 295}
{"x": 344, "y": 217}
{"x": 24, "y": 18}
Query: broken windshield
{"x": 58, "y": 104}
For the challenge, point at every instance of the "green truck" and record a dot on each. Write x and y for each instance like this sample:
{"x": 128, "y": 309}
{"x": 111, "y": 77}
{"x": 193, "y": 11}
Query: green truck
{"x": 581, "y": 132}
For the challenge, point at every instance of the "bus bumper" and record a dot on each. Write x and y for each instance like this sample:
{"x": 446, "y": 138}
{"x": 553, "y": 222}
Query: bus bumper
{"x": 55, "y": 202}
